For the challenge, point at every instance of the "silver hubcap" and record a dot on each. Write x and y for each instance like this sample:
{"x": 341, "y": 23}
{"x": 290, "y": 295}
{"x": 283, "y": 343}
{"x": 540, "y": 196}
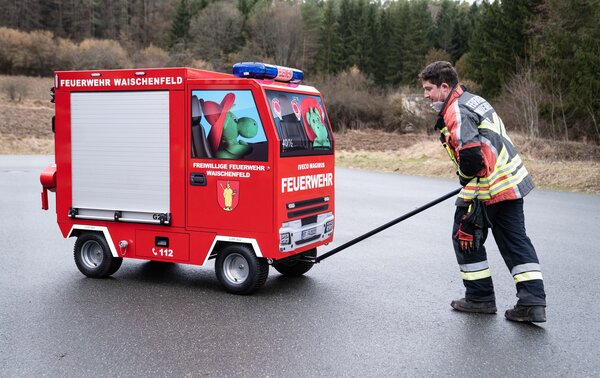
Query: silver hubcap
{"x": 91, "y": 254}
{"x": 235, "y": 268}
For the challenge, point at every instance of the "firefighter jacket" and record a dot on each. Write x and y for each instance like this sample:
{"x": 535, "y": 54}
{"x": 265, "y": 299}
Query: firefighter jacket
{"x": 487, "y": 162}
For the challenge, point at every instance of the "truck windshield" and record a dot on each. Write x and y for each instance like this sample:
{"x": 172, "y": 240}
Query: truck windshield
{"x": 301, "y": 122}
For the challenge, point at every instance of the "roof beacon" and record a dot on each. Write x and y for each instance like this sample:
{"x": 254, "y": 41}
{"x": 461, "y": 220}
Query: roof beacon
{"x": 267, "y": 71}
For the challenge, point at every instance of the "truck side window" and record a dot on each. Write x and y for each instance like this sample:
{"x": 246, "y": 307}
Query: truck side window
{"x": 226, "y": 125}
{"x": 301, "y": 123}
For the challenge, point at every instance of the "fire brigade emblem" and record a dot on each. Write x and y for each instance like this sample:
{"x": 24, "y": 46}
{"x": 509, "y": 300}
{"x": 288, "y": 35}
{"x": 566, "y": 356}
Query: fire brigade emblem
{"x": 228, "y": 194}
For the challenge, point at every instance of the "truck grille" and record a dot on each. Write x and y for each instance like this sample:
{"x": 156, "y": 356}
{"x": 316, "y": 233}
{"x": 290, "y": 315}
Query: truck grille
{"x": 312, "y": 210}
{"x": 301, "y": 208}
{"x": 309, "y": 220}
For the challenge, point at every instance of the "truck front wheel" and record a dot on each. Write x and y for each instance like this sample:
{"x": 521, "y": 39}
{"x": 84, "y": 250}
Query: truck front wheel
{"x": 239, "y": 270}
{"x": 93, "y": 257}
{"x": 297, "y": 267}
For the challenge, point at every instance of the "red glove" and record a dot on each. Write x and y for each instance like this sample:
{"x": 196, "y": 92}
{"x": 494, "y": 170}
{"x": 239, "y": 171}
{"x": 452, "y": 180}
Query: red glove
{"x": 464, "y": 236}
{"x": 471, "y": 229}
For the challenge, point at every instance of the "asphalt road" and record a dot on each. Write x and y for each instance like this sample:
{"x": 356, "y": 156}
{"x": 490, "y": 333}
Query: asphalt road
{"x": 380, "y": 308}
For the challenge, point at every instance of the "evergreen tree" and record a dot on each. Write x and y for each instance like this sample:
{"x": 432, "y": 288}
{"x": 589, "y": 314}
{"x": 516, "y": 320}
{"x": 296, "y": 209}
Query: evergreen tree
{"x": 418, "y": 40}
{"x": 499, "y": 45}
{"x": 311, "y": 15}
{"x": 360, "y": 33}
{"x": 326, "y": 60}
{"x": 462, "y": 30}
{"x": 396, "y": 51}
{"x": 371, "y": 38}
{"x": 568, "y": 61}
{"x": 445, "y": 25}
{"x": 518, "y": 15}
{"x": 488, "y": 60}
{"x": 246, "y": 6}
{"x": 346, "y": 34}
{"x": 382, "y": 55}
{"x": 180, "y": 26}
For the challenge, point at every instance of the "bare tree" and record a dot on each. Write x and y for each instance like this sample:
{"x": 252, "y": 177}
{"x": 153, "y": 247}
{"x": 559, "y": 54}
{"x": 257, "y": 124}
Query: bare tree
{"x": 526, "y": 95}
{"x": 16, "y": 87}
{"x": 216, "y": 32}
{"x": 101, "y": 54}
{"x": 277, "y": 32}
{"x": 151, "y": 56}
{"x": 592, "y": 112}
{"x": 26, "y": 53}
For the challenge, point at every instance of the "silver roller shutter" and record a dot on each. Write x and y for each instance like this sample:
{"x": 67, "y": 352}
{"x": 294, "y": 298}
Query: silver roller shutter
{"x": 120, "y": 154}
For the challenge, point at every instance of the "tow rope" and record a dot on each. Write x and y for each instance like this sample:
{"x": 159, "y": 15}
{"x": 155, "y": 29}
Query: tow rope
{"x": 385, "y": 226}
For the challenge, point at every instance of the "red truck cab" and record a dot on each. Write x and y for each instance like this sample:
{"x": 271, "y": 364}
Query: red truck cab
{"x": 183, "y": 165}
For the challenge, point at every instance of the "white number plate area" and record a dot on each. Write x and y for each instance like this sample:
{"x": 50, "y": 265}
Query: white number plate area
{"x": 308, "y": 233}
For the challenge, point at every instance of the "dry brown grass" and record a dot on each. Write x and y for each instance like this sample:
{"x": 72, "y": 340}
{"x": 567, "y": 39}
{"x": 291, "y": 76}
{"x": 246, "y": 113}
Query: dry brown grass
{"x": 38, "y": 87}
{"x": 568, "y": 166}
{"x": 10, "y": 144}
{"x": 26, "y": 126}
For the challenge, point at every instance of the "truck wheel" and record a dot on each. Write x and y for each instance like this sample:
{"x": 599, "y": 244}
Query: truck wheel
{"x": 298, "y": 267}
{"x": 239, "y": 270}
{"x": 93, "y": 258}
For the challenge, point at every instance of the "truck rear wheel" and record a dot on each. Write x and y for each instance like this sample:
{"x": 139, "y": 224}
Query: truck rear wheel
{"x": 93, "y": 257}
{"x": 295, "y": 268}
{"x": 239, "y": 270}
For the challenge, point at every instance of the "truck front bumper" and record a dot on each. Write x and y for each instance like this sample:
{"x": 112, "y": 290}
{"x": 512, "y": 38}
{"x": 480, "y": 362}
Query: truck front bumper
{"x": 295, "y": 234}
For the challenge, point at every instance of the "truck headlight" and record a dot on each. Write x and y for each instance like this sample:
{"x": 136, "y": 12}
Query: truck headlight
{"x": 328, "y": 226}
{"x": 284, "y": 238}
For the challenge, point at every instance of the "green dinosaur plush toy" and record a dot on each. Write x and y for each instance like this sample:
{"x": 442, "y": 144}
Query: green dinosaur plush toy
{"x": 230, "y": 147}
{"x": 314, "y": 120}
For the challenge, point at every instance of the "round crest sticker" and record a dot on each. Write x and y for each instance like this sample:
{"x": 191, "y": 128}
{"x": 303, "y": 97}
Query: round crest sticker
{"x": 276, "y": 107}
{"x": 296, "y": 108}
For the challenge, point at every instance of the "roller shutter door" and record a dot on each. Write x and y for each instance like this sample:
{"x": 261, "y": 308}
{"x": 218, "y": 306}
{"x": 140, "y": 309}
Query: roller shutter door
{"x": 120, "y": 154}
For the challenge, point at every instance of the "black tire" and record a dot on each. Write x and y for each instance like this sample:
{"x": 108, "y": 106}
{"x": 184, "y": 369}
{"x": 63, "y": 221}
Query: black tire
{"x": 93, "y": 257}
{"x": 295, "y": 268}
{"x": 240, "y": 271}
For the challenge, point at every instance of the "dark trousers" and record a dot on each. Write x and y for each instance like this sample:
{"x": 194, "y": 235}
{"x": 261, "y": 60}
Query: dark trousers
{"x": 508, "y": 228}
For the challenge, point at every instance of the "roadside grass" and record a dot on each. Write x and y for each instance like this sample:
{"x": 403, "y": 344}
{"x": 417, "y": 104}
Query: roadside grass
{"x": 556, "y": 165}
{"x": 25, "y": 125}
{"x": 14, "y": 145}
{"x": 571, "y": 176}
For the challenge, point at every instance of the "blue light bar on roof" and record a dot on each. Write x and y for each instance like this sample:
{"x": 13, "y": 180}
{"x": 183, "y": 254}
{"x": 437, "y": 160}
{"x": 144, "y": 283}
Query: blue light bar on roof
{"x": 255, "y": 70}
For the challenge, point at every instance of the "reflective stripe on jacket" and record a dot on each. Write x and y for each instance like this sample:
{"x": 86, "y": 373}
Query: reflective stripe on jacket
{"x": 471, "y": 121}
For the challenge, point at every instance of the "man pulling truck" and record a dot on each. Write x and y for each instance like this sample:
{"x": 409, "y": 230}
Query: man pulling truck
{"x": 494, "y": 182}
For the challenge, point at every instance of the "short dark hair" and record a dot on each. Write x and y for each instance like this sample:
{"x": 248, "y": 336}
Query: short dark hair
{"x": 440, "y": 72}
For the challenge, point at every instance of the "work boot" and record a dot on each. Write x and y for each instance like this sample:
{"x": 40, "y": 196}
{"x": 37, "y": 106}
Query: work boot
{"x": 465, "y": 305}
{"x": 536, "y": 314}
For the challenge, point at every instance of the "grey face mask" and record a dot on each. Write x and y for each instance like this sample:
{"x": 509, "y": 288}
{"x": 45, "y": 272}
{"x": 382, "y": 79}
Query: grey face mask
{"x": 437, "y": 106}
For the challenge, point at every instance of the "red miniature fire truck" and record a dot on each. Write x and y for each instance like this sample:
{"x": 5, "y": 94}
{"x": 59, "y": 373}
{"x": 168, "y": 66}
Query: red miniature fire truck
{"x": 183, "y": 165}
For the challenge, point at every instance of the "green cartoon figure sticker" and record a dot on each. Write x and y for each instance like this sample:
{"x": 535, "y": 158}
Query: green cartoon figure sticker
{"x": 230, "y": 147}
{"x": 226, "y": 129}
{"x": 314, "y": 123}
